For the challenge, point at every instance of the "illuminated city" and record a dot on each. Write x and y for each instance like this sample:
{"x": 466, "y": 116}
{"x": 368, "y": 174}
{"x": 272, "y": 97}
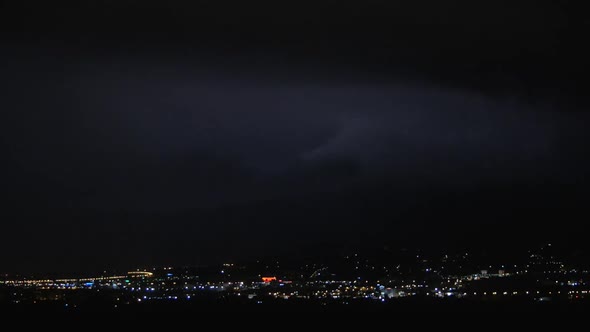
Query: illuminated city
{"x": 352, "y": 279}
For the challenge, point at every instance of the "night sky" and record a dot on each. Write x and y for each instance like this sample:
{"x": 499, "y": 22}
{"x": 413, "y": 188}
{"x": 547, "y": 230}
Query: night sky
{"x": 140, "y": 133}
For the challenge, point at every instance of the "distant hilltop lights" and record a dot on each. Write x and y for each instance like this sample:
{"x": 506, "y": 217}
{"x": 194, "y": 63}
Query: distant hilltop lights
{"x": 73, "y": 281}
{"x": 140, "y": 274}
{"x": 269, "y": 279}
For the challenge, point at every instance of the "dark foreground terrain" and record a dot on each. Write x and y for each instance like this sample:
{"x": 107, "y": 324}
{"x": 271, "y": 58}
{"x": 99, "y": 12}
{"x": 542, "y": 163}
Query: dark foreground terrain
{"x": 412, "y": 305}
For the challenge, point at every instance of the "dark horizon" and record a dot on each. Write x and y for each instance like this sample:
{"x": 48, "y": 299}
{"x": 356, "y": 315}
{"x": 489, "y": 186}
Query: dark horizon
{"x": 173, "y": 133}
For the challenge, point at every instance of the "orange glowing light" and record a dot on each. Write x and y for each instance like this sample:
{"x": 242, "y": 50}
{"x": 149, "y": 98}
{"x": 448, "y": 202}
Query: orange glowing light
{"x": 269, "y": 279}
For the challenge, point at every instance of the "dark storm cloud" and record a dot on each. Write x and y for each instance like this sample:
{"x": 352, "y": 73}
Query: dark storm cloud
{"x": 166, "y": 136}
{"x": 167, "y": 132}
